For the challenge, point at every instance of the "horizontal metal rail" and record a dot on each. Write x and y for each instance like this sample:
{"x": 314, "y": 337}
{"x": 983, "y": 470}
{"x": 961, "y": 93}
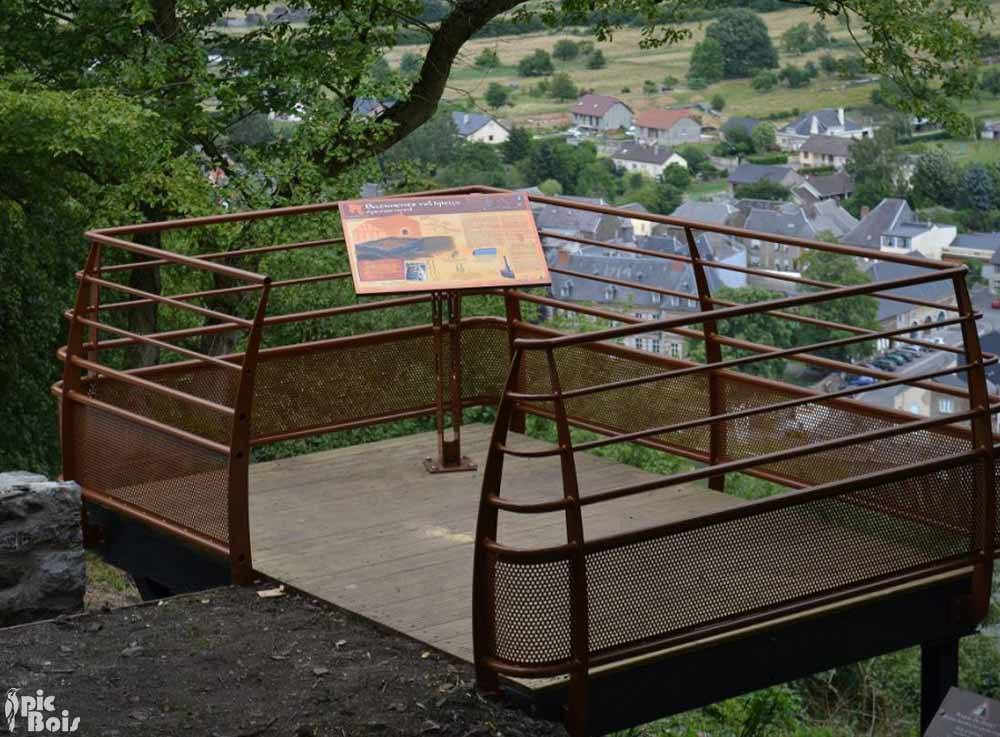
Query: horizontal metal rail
{"x": 820, "y": 361}
{"x": 779, "y": 456}
{"x": 130, "y": 378}
{"x": 732, "y": 363}
{"x": 176, "y": 258}
{"x": 137, "y": 338}
{"x": 805, "y": 319}
{"x": 345, "y": 309}
{"x": 219, "y": 255}
{"x": 297, "y": 281}
{"x": 204, "y": 311}
{"x": 725, "y": 417}
{"x": 736, "y": 465}
{"x": 739, "y": 311}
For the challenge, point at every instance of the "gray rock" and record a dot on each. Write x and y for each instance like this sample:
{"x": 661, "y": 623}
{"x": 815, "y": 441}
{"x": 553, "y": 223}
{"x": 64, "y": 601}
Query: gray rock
{"x": 42, "y": 571}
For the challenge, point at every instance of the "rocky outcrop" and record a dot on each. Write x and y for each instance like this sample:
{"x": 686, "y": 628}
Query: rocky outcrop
{"x": 42, "y": 572}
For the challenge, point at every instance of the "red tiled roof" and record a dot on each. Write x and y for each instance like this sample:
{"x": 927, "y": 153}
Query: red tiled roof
{"x": 662, "y": 119}
{"x": 596, "y": 105}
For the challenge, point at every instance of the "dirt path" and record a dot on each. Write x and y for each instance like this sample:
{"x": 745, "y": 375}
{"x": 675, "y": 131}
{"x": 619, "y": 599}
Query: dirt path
{"x": 227, "y": 663}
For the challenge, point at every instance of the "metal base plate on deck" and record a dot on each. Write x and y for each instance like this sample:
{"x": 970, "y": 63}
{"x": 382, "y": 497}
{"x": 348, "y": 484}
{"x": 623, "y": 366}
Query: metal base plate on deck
{"x": 436, "y": 466}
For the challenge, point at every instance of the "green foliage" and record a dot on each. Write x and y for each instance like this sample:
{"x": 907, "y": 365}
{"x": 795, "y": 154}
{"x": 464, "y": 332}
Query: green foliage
{"x": 497, "y": 95}
{"x": 763, "y": 189}
{"x": 764, "y": 138}
{"x": 517, "y": 146}
{"x": 562, "y": 87}
{"x": 977, "y": 188}
{"x": 551, "y": 187}
{"x": 764, "y": 81}
{"x": 990, "y": 81}
{"x": 803, "y": 38}
{"x": 707, "y": 62}
{"x": 935, "y": 180}
{"x": 410, "y": 63}
{"x": 745, "y": 43}
{"x": 794, "y": 76}
{"x": 718, "y": 102}
{"x": 649, "y": 87}
{"x": 736, "y": 141}
{"x": 696, "y": 158}
{"x": 676, "y": 176}
{"x": 487, "y": 59}
{"x": 877, "y": 167}
{"x": 565, "y": 50}
{"x": 536, "y": 64}
{"x": 827, "y": 63}
{"x": 596, "y": 60}
{"x": 858, "y": 311}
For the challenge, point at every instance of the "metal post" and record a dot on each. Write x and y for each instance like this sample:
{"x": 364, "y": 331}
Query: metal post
{"x": 450, "y": 456}
{"x": 512, "y": 308}
{"x": 240, "y": 556}
{"x": 938, "y": 673}
{"x": 713, "y": 354}
{"x": 982, "y": 439}
{"x": 576, "y": 715}
{"x": 483, "y": 590}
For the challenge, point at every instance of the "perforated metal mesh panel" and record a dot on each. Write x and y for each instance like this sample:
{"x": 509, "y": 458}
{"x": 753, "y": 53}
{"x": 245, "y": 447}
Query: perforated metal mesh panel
{"x": 354, "y": 381}
{"x": 180, "y": 481}
{"x": 666, "y": 584}
{"x": 206, "y": 382}
{"x": 533, "y": 617}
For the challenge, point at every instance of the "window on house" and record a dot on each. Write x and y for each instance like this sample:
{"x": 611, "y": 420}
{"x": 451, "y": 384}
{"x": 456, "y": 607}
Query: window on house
{"x": 675, "y": 301}
{"x": 654, "y": 345}
{"x": 675, "y": 350}
{"x": 692, "y": 304}
{"x": 656, "y": 297}
{"x": 946, "y": 405}
{"x": 640, "y": 344}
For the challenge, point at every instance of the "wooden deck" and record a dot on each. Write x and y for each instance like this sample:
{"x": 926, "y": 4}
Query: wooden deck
{"x": 368, "y": 529}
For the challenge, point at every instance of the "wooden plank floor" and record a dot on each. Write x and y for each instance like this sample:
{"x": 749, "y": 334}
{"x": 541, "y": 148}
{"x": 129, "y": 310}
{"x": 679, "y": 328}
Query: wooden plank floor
{"x": 368, "y": 529}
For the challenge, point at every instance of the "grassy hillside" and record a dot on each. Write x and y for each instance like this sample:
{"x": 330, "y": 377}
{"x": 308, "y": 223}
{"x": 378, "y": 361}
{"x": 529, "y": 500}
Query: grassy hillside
{"x": 628, "y": 66}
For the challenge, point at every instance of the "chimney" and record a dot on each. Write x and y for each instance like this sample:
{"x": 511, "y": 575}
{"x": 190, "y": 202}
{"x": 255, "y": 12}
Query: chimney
{"x": 465, "y": 119}
{"x": 840, "y": 116}
{"x": 864, "y": 211}
{"x": 814, "y": 125}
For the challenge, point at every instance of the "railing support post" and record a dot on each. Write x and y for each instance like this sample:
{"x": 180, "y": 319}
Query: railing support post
{"x": 450, "y": 456}
{"x": 483, "y": 591}
{"x": 938, "y": 673}
{"x": 713, "y": 354}
{"x": 512, "y": 309}
{"x": 982, "y": 439}
{"x": 240, "y": 555}
{"x": 576, "y": 717}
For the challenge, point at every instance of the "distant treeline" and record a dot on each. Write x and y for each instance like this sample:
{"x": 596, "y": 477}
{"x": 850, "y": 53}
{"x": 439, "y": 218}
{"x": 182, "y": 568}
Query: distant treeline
{"x": 435, "y": 10}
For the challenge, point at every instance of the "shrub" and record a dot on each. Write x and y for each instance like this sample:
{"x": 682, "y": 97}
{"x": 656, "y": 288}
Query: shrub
{"x": 488, "y": 59}
{"x": 565, "y": 50}
{"x": 596, "y": 60}
{"x": 561, "y": 87}
{"x": 718, "y": 102}
{"x": 764, "y": 81}
{"x": 537, "y": 64}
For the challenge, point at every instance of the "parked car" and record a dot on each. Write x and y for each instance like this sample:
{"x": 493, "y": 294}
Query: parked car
{"x": 884, "y": 364}
{"x": 861, "y": 381}
{"x": 913, "y": 350}
{"x": 995, "y": 304}
{"x": 898, "y": 355}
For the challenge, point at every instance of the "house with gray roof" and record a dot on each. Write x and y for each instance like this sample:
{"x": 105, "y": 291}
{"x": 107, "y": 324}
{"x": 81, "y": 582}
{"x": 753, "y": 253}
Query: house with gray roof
{"x": 897, "y": 315}
{"x": 825, "y": 122}
{"x": 824, "y": 150}
{"x": 789, "y": 221}
{"x": 580, "y": 223}
{"x": 893, "y": 227}
{"x": 979, "y": 246}
{"x": 601, "y": 113}
{"x": 608, "y": 264}
{"x": 479, "y": 128}
{"x": 648, "y": 159}
{"x": 753, "y": 173}
{"x": 837, "y": 186}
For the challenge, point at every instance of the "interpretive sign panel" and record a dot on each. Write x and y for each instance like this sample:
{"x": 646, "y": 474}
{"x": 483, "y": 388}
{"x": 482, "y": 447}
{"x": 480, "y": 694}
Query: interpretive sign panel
{"x": 425, "y": 244}
{"x": 964, "y": 714}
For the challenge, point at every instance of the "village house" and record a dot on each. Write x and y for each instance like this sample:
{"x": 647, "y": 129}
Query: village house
{"x": 601, "y": 113}
{"x": 893, "y": 227}
{"x": 826, "y": 122}
{"x": 979, "y": 246}
{"x": 990, "y": 131}
{"x": 921, "y": 319}
{"x": 837, "y": 186}
{"x": 753, "y": 173}
{"x": 818, "y": 151}
{"x": 564, "y": 221}
{"x": 479, "y": 128}
{"x": 668, "y": 127}
{"x": 645, "y": 158}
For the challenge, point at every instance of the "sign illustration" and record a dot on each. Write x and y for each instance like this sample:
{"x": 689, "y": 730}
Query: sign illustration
{"x": 424, "y": 244}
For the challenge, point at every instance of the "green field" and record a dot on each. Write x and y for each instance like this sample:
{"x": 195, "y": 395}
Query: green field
{"x": 628, "y": 66}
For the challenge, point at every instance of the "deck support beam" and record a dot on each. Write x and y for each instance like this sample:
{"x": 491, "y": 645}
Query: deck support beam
{"x": 938, "y": 673}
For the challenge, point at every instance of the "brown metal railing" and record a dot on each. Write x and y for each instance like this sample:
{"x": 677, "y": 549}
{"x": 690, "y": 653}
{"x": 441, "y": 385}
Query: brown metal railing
{"x": 169, "y": 443}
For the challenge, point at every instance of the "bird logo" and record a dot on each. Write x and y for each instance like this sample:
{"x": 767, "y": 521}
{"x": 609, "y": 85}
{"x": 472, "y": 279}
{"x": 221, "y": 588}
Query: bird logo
{"x": 10, "y": 708}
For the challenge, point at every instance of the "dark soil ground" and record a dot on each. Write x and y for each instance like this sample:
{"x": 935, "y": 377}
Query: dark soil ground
{"x": 228, "y": 663}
